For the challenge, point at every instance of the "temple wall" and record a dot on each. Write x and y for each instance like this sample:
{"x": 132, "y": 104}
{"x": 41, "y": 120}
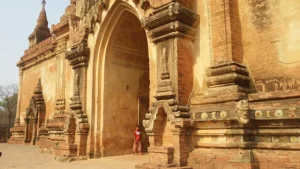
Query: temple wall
{"x": 271, "y": 44}
{"x": 47, "y": 72}
{"x": 56, "y": 79}
{"x": 261, "y": 34}
{"x": 270, "y": 51}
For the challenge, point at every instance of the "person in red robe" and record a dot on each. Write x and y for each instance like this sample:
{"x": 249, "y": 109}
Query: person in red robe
{"x": 137, "y": 144}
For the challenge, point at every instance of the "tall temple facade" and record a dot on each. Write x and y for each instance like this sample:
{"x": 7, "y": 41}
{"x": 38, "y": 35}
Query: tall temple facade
{"x": 213, "y": 84}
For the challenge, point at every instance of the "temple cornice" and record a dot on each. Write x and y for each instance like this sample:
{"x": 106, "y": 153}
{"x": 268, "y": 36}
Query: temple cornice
{"x": 37, "y": 51}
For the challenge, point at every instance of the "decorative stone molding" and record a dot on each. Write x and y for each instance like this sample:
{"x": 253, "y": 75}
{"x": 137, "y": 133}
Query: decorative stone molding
{"x": 227, "y": 81}
{"x": 79, "y": 55}
{"x": 165, "y": 88}
{"x": 152, "y": 115}
{"x": 37, "y": 52}
{"x": 172, "y": 20}
{"x": 226, "y": 74}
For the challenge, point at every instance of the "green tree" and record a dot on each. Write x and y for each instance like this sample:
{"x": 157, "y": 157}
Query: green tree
{"x": 8, "y": 103}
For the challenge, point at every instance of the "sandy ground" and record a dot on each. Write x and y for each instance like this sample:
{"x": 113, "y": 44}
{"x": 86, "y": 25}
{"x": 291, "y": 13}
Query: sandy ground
{"x": 29, "y": 157}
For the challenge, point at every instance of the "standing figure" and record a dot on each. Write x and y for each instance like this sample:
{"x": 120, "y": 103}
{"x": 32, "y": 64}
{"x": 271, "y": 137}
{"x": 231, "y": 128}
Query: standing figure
{"x": 137, "y": 144}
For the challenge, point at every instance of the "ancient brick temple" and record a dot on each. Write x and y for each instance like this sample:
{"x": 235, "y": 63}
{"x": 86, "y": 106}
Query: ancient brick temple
{"x": 214, "y": 83}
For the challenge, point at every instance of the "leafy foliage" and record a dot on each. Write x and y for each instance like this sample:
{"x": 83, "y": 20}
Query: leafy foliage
{"x": 8, "y": 104}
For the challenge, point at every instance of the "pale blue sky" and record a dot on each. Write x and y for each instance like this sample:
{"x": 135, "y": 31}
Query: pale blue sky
{"x": 17, "y": 21}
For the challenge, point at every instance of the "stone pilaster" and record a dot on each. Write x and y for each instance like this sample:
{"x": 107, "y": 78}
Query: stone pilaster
{"x": 61, "y": 73}
{"x": 59, "y": 116}
{"x": 227, "y": 78}
{"x": 172, "y": 28}
{"x": 226, "y": 31}
{"x": 17, "y": 120}
{"x": 79, "y": 58}
{"x": 18, "y": 131}
{"x": 168, "y": 27}
{"x": 224, "y": 105}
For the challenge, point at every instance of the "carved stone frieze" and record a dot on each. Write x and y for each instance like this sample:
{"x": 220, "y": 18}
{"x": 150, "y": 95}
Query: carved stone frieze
{"x": 243, "y": 114}
{"x": 277, "y": 84}
{"x": 272, "y": 114}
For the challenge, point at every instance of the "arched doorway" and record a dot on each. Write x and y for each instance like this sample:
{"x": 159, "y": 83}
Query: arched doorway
{"x": 126, "y": 85}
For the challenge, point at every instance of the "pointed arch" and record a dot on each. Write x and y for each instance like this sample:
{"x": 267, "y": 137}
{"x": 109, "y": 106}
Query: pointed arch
{"x": 102, "y": 46}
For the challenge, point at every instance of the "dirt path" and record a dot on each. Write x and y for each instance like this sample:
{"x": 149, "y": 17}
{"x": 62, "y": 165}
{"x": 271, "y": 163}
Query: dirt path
{"x": 29, "y": 157}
